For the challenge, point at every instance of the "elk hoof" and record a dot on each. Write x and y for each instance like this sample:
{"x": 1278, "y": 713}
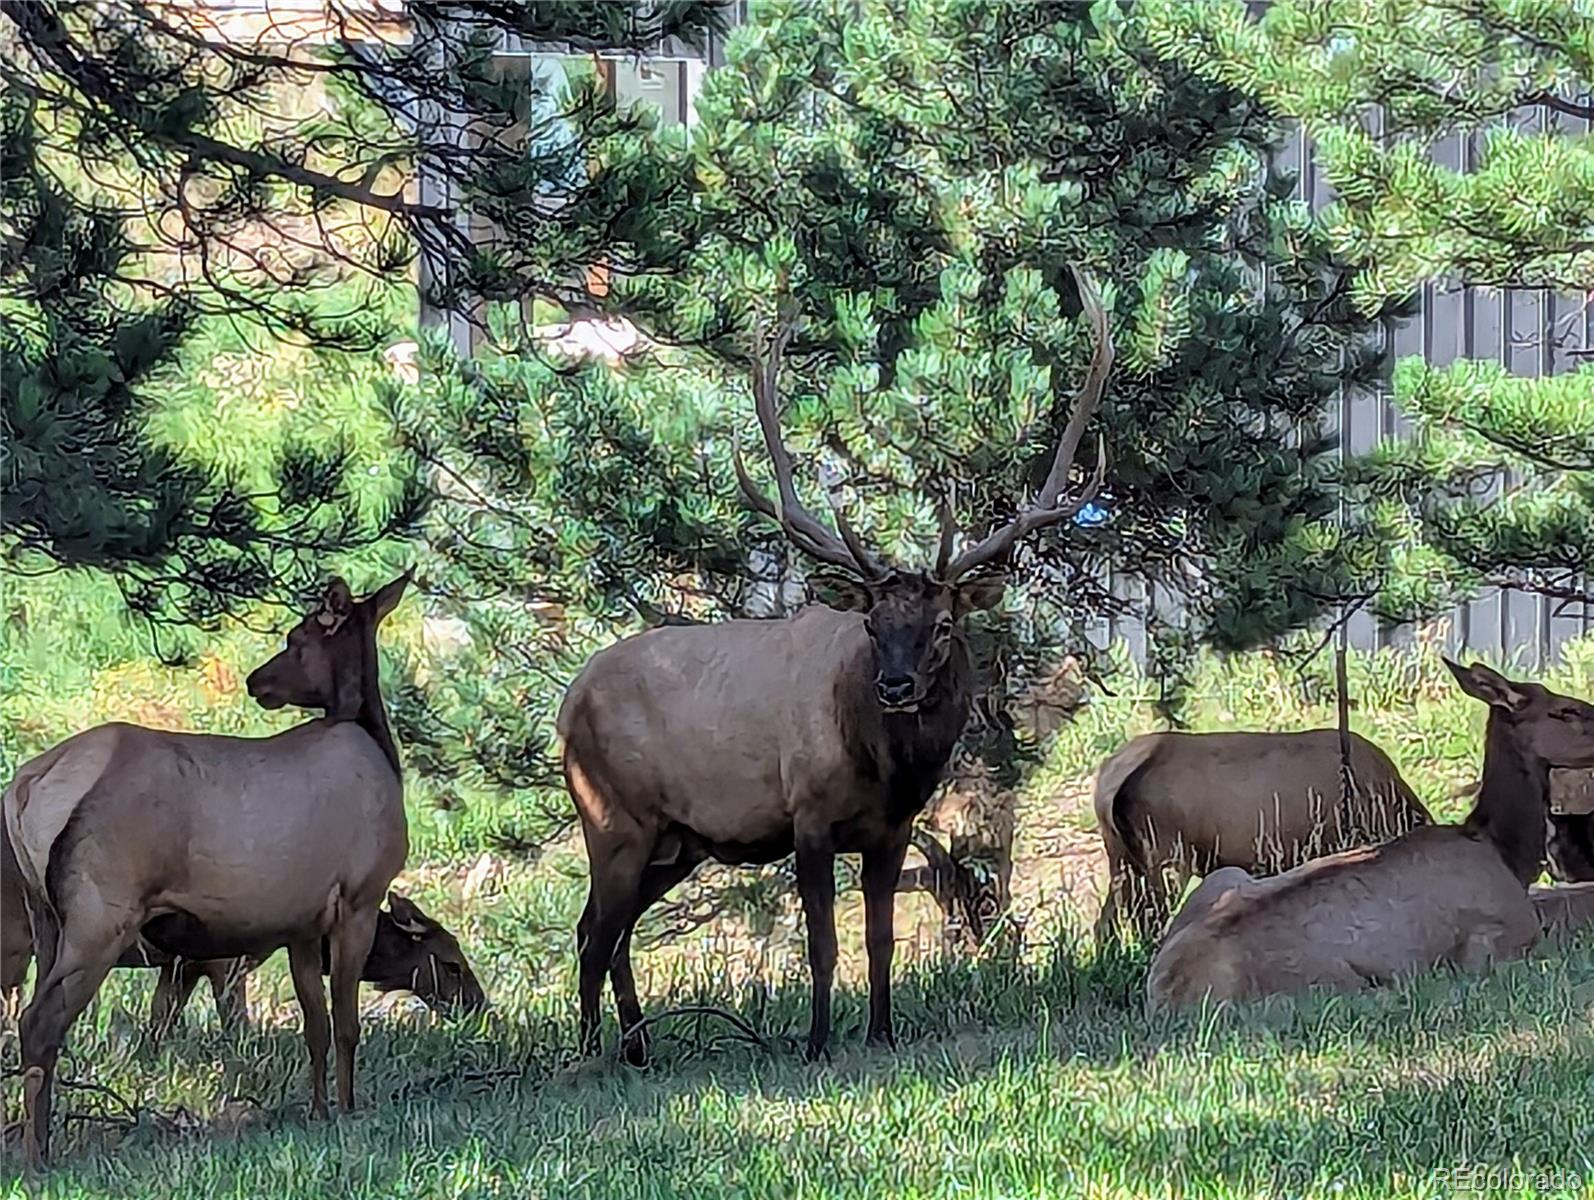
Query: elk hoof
{"x": 635, "y": 1051}
{"x": 881, "y": 1038}
{"x": 35, "y": 1141}
{"x": 817, "y": 1052}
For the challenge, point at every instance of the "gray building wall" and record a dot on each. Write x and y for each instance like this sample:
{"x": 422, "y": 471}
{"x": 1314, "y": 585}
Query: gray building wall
{"x": 1531, "y": 332}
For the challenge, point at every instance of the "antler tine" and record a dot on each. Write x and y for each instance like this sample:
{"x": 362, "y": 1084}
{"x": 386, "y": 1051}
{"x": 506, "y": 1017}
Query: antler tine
{"x": 866, "y": 562}
{"x": 802, "y": 529}
{"x": 1045, "y": 509}
{"x": 948, "y": 522}
{"x": 761, "y": 503}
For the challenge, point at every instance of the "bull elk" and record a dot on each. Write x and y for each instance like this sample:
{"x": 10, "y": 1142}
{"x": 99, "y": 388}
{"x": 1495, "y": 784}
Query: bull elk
{"x": 410, "y": 952}
{"x": 825, "y": 732}
{"x": 213, "y": 847}
{"x": 1173, "y": 805}
{"x": 1454, "y": 894}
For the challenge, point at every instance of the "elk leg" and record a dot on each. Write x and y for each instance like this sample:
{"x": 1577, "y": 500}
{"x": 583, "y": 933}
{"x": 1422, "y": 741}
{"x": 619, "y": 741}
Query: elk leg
{"x": 304, "y": 963}
{"x": 58, "y": 1000}
{"x": 46, "y": 932}
{"x": 1119, "y": 902}
{"x": 881, "y": 870}
{"x": 657, "y": 880}
{"x": 1108, "y": 920}
{"x": 1150, "y": 902}
{"x": 176, "y": 983}
{"x": 611, "y": 907}
{"x": 229, "y": 986}
{"x": 816, "y": 883}
{"x": 351, "y": 946}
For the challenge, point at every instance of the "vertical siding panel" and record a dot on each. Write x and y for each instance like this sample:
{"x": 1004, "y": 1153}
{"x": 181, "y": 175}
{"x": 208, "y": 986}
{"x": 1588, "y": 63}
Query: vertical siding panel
{"x": 1567, "y": 329}
{"x": 1526, "y": 615}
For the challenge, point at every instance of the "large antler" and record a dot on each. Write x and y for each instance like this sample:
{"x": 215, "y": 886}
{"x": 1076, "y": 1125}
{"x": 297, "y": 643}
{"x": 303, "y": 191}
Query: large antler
{"x": 801, "y": 528}
{"x": 1048, "y": 507}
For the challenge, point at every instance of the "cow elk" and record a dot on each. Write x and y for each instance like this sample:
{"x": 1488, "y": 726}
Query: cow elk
{"x": 1455, "y": 894}
{"x": 212, "y": 847}
{"x": 824, "y": 733}
{"x": 1173, "y": 805}
{"x": 410, "y": 952}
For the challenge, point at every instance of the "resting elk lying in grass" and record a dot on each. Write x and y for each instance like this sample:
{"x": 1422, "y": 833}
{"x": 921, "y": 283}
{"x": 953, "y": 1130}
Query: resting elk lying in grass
{"x": 1173, "y": 805}
{"x": 410, "y": 952}
{"x": 825, "y": 732}
{"x": 213, "y": 847}
{"x": 1453, "y": 894}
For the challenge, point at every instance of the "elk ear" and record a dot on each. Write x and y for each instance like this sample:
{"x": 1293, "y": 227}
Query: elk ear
{"x": 386, "y": 598}
{"x": 1493, "y": 688}
{"x": 979, "y": 594}
{"x": 338, "y": 598}
{"x": 407, "y": 917}
{"x": 840, "y": 592}
{"x": 336, "y": 605}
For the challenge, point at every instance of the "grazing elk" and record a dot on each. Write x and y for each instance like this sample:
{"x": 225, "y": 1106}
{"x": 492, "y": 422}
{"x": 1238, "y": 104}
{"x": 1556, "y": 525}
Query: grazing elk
{"x": 1173, "y": 805}
{"x": 1453, "y": 894}
{"x": 824, "y": 733}
{"x": 411, "y": 952}
{"x": 216, "y": 847}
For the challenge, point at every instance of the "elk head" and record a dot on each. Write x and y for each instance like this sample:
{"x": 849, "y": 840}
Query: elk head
{"x": 912, "y": 616}
{"x": 329, "y": 653}
{"x": 1542, "y": 724}
{"x": 412, "y": 952}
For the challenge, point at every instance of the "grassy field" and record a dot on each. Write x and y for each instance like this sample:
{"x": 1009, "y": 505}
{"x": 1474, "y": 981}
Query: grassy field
{"x": 1034, "y": 1076}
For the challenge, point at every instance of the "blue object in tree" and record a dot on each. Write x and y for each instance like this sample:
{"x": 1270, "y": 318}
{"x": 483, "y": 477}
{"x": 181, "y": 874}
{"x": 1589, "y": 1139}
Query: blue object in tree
{"x": 1092, "y": 514}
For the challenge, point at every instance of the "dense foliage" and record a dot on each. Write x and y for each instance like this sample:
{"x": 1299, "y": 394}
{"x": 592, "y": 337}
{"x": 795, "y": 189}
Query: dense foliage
{"x": 909, "y": 188}
{"x": 1497, "y": 486}
{"x": 89, "y": 479}
{"x": 168, "y": 164}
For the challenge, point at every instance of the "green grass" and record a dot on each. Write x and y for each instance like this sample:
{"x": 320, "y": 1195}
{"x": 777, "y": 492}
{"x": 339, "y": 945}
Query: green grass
{"x": 1034, "y": 1077}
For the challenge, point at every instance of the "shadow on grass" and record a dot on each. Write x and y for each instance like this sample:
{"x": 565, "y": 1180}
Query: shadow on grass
{"x": 1016, "y": 1072}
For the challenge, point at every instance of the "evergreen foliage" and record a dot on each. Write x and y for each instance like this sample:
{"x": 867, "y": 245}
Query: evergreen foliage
{"x": 163, "y": 165}
{"x": 913, "y": 184}
{"x": 1498, "y": 485}
{"x": 86, "y": 481}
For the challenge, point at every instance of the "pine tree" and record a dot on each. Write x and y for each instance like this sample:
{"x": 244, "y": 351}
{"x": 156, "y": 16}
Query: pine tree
{"x": 82, "y": 482}
{"x": 156, "y": 175}
{"x": 1497, "y": 484}
{"x": 914, "y": 181}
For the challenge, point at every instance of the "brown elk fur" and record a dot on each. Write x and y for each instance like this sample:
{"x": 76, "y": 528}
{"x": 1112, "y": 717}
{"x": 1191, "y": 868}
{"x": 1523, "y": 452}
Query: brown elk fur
{"x": 1173, "y": 805}
{"x": 218, "y": 847}
{"x": 1454, "y": 894}
{"x": 410, "y": 952}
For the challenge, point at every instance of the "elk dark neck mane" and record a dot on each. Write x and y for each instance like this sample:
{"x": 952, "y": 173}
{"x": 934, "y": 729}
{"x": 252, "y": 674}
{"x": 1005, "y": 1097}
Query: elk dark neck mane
{"x": 365, "y": 707}
{"x": 907, "y": 751}
{"x": 1512, "y": 803}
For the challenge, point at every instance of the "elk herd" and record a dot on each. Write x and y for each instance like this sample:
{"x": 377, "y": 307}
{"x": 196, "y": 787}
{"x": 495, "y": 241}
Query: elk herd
{"x": 820, "y": 734}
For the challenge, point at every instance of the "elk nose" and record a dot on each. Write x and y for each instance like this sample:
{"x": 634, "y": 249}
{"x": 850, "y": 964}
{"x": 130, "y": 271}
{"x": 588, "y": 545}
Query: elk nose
{"x": 898, "y": 689}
